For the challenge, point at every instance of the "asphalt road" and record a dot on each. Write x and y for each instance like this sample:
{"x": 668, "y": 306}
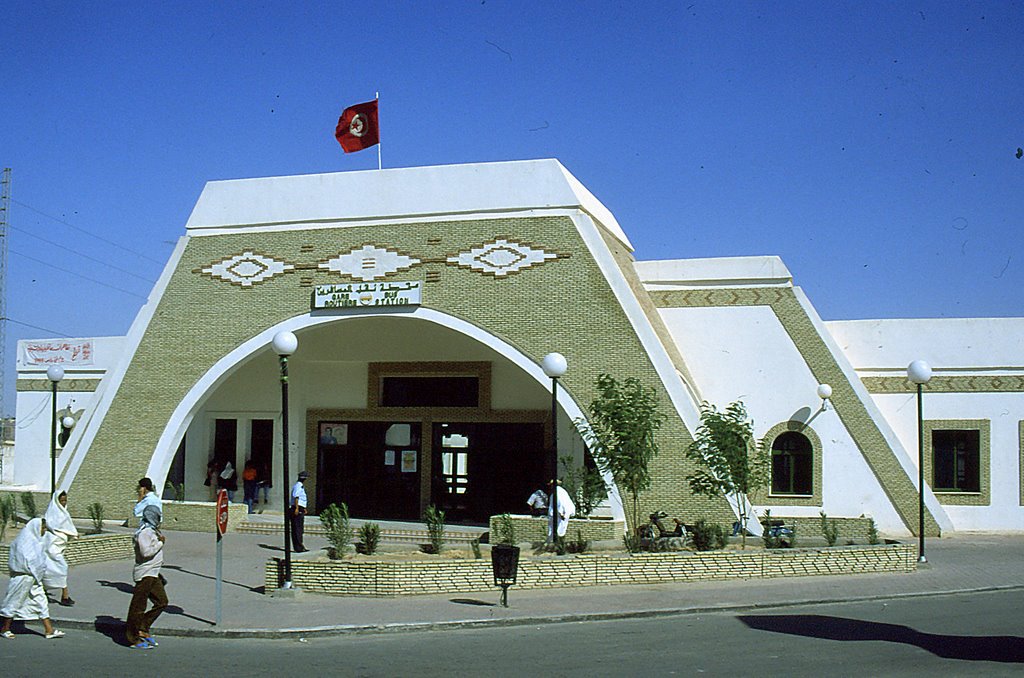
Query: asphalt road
{"x": 949, "y": 635}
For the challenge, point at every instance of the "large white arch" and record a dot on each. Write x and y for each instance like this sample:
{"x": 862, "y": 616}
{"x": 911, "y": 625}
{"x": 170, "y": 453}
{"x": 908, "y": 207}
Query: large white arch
{"x": 194, "y": 400}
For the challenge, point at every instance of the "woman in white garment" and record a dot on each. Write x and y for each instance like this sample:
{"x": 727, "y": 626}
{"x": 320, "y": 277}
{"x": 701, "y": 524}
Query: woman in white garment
{"x": 59, "y": 529}
{"x": 26, "y": 597}
{"x": 566, "y": 508}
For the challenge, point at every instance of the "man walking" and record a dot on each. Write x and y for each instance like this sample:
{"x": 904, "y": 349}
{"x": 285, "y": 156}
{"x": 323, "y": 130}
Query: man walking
{"x": 298, "y": 511}
{"x": 149, "y": 585}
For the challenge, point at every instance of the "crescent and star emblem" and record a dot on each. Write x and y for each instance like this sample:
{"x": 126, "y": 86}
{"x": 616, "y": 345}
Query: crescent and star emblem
{"x": 357, "y": 127}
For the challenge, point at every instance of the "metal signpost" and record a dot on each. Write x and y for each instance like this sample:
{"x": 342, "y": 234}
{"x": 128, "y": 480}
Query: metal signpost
{"x": 222, "y": 527}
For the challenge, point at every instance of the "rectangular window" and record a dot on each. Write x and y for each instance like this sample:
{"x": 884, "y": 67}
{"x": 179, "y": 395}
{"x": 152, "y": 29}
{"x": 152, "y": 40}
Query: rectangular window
{"x": 956, "y": 460}
{"x": 430, "y": 391}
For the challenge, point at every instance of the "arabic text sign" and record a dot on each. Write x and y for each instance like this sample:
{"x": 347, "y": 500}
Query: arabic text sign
{"x": 353, "y": 295}
{"x": 58, "y": 352}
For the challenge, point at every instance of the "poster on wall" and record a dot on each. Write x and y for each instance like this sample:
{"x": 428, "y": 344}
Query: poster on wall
{"x": 333, "y": 433}
{"x": 389, "y": 457}
{"x": 408, "y": 461}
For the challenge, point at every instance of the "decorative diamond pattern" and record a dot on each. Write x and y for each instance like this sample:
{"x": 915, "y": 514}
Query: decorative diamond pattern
{"x": 501, "y": 257}
{"x": 247, "y": 269}
{"x": 369, "y": 262}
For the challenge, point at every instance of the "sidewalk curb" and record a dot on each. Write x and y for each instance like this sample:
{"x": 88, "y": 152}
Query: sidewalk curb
{"x": 412, "y": 627}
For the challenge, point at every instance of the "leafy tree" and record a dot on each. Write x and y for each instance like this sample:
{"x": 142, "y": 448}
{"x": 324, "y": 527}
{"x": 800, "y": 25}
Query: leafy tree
{"x": 621, "y": 435}
{"x": 584, "y": 484}
{"x": 733, "y": 465}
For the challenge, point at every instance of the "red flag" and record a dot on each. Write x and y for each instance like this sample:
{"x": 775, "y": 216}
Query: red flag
{"x": 357, "y": 127}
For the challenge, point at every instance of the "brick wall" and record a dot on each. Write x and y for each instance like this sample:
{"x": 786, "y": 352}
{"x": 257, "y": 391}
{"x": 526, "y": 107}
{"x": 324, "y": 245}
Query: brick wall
{"x": 421, "y": 577}
{"x": 530, "y": 528}
{"x": 198, "y": 516}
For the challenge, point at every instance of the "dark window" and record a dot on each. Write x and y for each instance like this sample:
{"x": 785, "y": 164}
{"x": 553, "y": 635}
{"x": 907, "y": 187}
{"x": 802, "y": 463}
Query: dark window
{"x": 792, "y": 464}
{"x": 430, "y": 391}
{"x": 956, "y": 463}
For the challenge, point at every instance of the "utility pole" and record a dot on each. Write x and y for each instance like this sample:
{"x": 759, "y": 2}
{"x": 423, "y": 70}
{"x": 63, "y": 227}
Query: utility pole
{"x": 5, "y": 208}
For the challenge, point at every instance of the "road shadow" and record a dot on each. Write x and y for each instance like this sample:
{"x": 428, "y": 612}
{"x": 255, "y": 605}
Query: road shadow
{"x": 271, "y": 547}
{"x": 471, "y": 601}
{"x": 112, "y": 628}
{"x": 177, "y": 610}
{"x": 1006, "y": 649}
{"x": 178, "y": 568}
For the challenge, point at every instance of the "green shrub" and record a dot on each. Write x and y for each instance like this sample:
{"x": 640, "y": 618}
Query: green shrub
{"x": 96, "y": 515}
{"x": 872, "y": 532}
{"x": 369, "y": 538}
{"x": 434, "y": 518}
{"x": 777, "y": 539}
{"x": 28, "y": 505}
{"x": 708, "y": 536}
{"x": 633, "y": 543}
{"x": 504, "y": 530}
{"x": 584, "y": 484}
{"x": 829, "y": 529}
{"x": 339, "y": 533}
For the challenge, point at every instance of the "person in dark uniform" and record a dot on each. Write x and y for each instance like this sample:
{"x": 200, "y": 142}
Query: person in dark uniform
{"x": 298, "y": 512}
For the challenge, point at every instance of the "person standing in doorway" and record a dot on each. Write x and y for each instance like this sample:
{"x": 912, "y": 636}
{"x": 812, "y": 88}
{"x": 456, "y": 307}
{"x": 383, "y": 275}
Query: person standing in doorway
{"x": 298, "y": 511}
{"x": 229, "y": 480}
{"x": 60, "y": 529}
{"x": 149, "y": 584}
{"x": 249, "y": 487}
{"x": 264, "y": 484}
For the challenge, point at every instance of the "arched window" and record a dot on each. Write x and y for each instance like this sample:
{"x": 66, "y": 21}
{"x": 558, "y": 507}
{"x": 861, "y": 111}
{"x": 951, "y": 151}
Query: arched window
{"x": 792, "y": 464}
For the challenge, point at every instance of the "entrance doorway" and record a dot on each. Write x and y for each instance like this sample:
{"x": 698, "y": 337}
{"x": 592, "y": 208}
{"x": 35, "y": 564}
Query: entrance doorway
{"x": 484, "y": 469}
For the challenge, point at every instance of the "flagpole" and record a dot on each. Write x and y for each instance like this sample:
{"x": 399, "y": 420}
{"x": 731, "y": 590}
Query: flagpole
{"x": 377, "y": 96}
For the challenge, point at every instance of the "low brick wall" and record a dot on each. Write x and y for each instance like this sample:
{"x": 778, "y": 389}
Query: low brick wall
{"x": 90, "y": 549}
{"x": 850, "y": 529}
{"x": 535, "y": 528}
{"x": 199, "y": 516}
{"x": 440, "y": 576}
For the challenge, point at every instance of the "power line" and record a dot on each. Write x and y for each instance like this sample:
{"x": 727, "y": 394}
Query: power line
{"x": 87, "y": 232}
{"x": 78, "y": 275}
{"x": 84, "y": 256}
{"x": 35, "y": 327}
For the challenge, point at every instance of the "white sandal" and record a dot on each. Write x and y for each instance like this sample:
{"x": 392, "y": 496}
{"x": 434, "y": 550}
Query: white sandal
{"x": 7, "y": 634}
{"x": 57, "y": 633}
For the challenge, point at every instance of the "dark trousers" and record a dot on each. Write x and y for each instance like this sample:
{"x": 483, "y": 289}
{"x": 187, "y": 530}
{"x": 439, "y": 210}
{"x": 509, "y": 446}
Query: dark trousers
{"x": 298, "y": 523}
{"x": 139, "y": 621}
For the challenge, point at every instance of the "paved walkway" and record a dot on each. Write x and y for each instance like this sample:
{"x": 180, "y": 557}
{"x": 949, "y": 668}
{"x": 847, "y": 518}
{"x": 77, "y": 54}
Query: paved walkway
{"x": 103, "y": 590}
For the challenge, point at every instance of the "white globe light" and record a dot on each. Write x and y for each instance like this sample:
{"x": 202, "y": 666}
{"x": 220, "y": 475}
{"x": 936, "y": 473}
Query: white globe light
{"x": 824, "y": 391}
{"x": 55, "y": 373}
{"x": 554, "y": 365}
{"x": 919, "y": 372}
{"x": 285, "y": 343}
{"x": 68, "y": 422}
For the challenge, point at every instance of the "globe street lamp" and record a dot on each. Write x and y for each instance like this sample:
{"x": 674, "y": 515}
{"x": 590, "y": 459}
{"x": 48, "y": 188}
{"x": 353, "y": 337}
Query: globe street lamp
{"x": 284, "y": 345}
{"x": 54, "y": 373}
{"x": 554, "y": 366}
{"x": 920, "y": 372}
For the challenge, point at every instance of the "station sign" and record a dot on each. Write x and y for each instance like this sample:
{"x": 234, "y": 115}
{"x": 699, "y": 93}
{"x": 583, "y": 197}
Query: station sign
{"x": 368, "y": 294}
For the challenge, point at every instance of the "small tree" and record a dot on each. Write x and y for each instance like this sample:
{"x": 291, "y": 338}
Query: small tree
{"x": 339, "y": 531}
{"x": 733, "y": 466}
{"x": 8, "y": 513}
{"x": 621, "y": 435}
{"x": 434, "y": 518}
{"x": 95, "y": 510}
{"x": 584, "y": 484}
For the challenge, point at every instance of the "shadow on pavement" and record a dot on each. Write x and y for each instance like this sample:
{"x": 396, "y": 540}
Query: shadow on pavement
{"x": 176, "y": 610}
{"x": 271, "y": 547}
{"x": 178, "y": 568}
{"x": 123, "y": 587}
{"x": 112, "y": 628}
{"x": 1008, "y": 649}
{"x": 471, "y": 601}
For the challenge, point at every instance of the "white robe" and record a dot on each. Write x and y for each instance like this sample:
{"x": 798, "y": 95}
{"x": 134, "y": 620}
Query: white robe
{"x": 60, "y": 529}
{"x": 566, "y": 510}
{"x": 26, "y": 597}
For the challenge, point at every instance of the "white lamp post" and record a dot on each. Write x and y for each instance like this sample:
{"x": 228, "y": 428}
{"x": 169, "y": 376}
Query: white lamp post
{"x": 554, "y": 366}
{"x": 920, "y": 372}
{"x": 284, "y": 345}
{"x": 824, "y": 392}
{"x": 54, "y": 373}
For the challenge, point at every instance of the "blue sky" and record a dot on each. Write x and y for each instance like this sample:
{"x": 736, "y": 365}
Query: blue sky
{"x": 871, "y": 145}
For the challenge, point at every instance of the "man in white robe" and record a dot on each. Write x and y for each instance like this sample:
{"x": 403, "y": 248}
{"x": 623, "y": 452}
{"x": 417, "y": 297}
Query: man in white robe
{"x": 566, "y": 510}
{"x": 26, "y": 597}
{"x": 59, "y": 529}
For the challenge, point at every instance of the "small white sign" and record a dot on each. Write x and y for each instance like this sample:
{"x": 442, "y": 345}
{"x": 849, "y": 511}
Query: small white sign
{"x": 356, "y": 295}
{"x": 58, "y": 352}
